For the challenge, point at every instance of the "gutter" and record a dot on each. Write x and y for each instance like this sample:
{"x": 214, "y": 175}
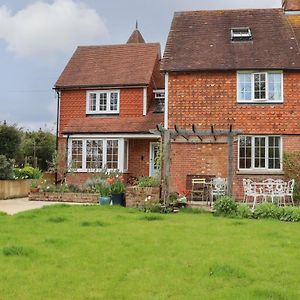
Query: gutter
{"x": 57, "y": 128}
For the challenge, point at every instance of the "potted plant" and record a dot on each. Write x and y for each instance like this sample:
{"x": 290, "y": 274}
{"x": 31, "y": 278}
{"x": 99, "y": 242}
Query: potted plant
{"x": 34, "y": 186}
{"x": 103, "y": 188}
{"x": 117, "y": 191}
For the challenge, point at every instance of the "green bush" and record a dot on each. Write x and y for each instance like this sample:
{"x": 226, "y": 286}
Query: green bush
{"x": 6, "y": 168}
{"x": 289, "y": 214}
{"x": 152, "y": 207}
{"x": 27, "y": 172}
{"x": 225, "y": 206}
{"x": 244, "y": 211}
{"x": 97, "y": 185}
{"x": 148, "y": 181}
{"x": 266, "y": 211}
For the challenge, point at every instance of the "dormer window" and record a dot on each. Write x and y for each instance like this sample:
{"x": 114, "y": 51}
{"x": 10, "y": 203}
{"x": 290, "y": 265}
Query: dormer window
{"x": 103, "y": 102}
{"x": 159, "y": 98}
{"x": 241, "y": 34}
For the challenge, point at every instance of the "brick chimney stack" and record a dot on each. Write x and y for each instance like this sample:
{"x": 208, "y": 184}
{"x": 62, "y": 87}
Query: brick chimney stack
{"x": 291, "y": 5}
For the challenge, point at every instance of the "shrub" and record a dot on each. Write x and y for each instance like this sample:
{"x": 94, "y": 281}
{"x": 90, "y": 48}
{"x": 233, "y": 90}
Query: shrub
{"x": 148, "y": 181}
{"x": 27, "y": 172}
{"x": 73, "y": 188}
{"x": 266, "y": 211}
{"x": 6, "y": 168}
{"x": 97, "y": 185}
{"x": 152, "y": 207}
{"x": 225, "y": 206}
{"x": 289, "y": 214}
{"x": 244, "y": 211}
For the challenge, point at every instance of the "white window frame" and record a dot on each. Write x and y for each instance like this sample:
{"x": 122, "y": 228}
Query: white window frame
{"x": 253, "y": 100}
{"x": 266, "y": 153}
{"x": 84, "y": 142}
{"x": 98, "y": 111}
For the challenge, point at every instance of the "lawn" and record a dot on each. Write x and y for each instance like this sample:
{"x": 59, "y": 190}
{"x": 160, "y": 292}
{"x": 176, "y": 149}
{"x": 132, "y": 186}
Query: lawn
{"x": 92, "y": 252}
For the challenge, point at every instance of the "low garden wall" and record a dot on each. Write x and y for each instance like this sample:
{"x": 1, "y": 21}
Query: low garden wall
{"x": 136, "y": 196}
{"x": 64, "y": 197}
{"x": 14, "y": 188}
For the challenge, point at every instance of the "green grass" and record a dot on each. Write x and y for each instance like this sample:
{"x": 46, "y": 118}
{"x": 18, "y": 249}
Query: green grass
{"x": 92, "y": 252}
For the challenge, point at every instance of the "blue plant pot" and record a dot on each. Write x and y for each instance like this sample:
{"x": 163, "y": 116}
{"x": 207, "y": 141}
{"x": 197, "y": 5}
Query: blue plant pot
{"x": 118, "y": 199}
{"x": 104, "y": 200}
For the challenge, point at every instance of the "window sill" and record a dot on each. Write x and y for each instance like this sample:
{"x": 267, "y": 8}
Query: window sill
{"x": 102, "y": 115}
{"x": 260, "y": 172}
{"x": 262, "y": 102}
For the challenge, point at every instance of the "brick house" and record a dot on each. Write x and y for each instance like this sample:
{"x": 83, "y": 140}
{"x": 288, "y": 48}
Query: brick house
{"x": 110, "y": 98}
{"x": 239, "y": 68}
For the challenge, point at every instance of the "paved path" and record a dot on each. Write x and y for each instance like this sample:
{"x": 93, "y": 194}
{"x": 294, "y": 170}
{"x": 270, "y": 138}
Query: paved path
{"x": 13, "y": 206}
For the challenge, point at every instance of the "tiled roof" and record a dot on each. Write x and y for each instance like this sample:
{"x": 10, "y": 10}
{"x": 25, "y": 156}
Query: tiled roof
{"x": 114, "y": 125}
{"x": 201, "y": 40}
{"x": 114, "y": 65}
{"x": 136, "y": 38}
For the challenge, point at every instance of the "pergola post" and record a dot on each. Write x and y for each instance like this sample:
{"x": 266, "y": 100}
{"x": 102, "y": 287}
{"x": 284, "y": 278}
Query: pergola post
{"x": 166, "y": 165}
{"x": 230, "y": 164}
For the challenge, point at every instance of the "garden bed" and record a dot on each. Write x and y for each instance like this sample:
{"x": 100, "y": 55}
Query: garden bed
{"x": 64, "y": 197}
{"x": 14, "y": 188}
{"x": 136, "y": 196}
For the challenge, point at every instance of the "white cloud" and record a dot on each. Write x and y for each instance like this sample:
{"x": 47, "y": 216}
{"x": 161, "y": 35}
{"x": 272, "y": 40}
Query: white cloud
{"x": 50, "y": 29}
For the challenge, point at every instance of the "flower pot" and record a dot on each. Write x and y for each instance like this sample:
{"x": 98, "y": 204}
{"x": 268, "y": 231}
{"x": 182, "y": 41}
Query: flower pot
{"x": 34, "y": 190}
{"x": 118, "y": 199}
{"x": 104, "y": 200}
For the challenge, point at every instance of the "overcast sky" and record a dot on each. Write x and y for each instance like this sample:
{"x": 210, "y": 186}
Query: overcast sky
{"x": 38, "y": 37}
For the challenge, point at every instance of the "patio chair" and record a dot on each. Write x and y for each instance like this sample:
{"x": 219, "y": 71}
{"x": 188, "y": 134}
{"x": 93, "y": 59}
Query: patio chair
{"x": 198, "y": 189}
{"x": 251, "y": 191}
{"x": 268, "y": 189}
{"x": 279, "y": 191}
{"x": 218, "y": 188}
{"x": 289, "y": 191}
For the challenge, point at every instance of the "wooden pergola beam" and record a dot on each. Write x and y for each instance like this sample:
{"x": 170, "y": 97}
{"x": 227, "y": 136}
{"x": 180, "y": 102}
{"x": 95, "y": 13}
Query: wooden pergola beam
{"x": 195, "y": 132}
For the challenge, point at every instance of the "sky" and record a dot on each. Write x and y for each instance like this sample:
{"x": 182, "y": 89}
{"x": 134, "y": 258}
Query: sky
{"x": 38, "y": 37}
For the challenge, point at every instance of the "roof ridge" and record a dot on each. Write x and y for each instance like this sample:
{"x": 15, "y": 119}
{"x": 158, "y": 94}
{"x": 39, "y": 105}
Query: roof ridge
{"x": 119, "y": 45}
{"x": 227, "y": 10}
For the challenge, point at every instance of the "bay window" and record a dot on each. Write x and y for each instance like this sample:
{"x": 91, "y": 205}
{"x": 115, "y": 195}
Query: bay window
{"x": 96, "y": 154}
{"x": 103, "y": 102}
{"x": 260, "y": 152}
{"x": 260, "y": 87}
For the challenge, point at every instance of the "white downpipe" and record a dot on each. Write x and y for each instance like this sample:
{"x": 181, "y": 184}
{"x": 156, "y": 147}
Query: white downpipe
{"x": 145, "y": 102}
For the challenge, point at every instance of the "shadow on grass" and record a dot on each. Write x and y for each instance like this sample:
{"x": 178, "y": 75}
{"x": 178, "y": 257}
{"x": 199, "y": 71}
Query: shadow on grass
{"x": 268, "y": 294}
{"x": 226, "y": 271}
{"x": 57, "y": 219}
{"x": 151, "y": 217}
{"x": 15, "y": 251}
{"x": 93, "y": 223}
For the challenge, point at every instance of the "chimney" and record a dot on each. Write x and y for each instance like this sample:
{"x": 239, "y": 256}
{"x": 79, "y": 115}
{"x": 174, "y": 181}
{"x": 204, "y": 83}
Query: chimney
{"x": 291, "y": 6}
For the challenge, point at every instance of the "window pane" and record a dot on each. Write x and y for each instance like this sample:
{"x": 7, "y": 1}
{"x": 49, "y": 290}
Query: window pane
{"x": 112, "y": 154}
{"x": 260, "y": 159}
{"x": 245, "y": 152}
{"x": 114, "y": 101}
{"x": 260, "y": 86}
{"x": 244, "y": 86}
{"x": 103, "y": 102}
{"x": 275, "y": 86}
{"x": 76, "y": 162}
{"x": 92, "y": 102}
{"x": 274, "y": 152}
{"x": 94, "y": 154}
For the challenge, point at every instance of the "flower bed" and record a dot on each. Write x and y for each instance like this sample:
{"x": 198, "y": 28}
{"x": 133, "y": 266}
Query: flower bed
{"x": 14, "y": 188}
{"x": 64, "y": 197}
{"x": 136, "y": 196}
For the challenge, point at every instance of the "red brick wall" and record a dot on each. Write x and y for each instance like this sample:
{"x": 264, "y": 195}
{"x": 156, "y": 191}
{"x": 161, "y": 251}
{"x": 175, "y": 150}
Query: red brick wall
{"x": 210, "y": 98}
{"x": 73, "y": 104}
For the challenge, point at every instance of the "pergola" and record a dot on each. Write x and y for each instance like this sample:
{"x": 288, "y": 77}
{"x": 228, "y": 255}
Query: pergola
{"x": 169, "y": 135}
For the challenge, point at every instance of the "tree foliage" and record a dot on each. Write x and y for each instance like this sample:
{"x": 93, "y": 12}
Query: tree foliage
{"x": 10, "y": 137}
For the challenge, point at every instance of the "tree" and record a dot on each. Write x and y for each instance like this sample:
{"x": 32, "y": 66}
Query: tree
{"x": 10, "y": 137}
{"x": 39, "y": 147}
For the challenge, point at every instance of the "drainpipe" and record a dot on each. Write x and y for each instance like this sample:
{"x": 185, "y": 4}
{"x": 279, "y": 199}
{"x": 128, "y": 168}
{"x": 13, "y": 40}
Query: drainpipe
{"x": 57, "y": 129}
{"x": 166, "y": 100}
